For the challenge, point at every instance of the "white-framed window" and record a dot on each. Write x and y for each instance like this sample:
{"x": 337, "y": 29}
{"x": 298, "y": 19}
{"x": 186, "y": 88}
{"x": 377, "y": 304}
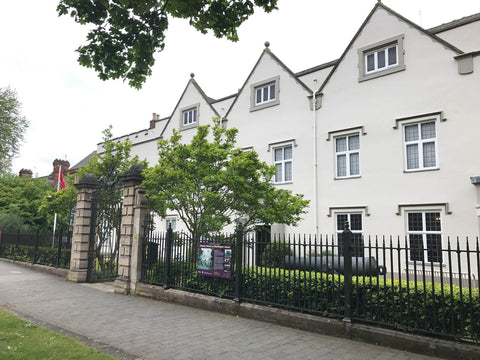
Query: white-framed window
{"x": 420, "y": 146}
{"x": 189, "y": 117}
{"x": 283, "y": 160}
{"x": 171, "y": 222}
{"x": 382, "y": 58}
{"x": 347, "y": 156}
{"x": 424, "y": 230}
{"x": 356, "y": 227}
{"x": 265, "y": 94}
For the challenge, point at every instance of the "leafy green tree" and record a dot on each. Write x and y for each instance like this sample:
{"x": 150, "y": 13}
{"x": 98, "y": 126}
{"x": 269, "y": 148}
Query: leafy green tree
{"x": 20, "y": 199}
{"x": 126, "y": 34}
{"x": 12, "y": 127}
{"x": 211, "y": 184}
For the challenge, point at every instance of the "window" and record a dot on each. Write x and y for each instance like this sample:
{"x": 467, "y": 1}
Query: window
{"x": 355, "y": 222}
{"x": 189, "y": 117}
{"x": 171, "y": 222}
{"x": 283, "y": 162}
{"x": 420, "y": 141}
{"x": 265, "y": 94}
{"x": 382, "y": 58}
{"x": 347, "y": 155}
{"x": 425, "y": 236}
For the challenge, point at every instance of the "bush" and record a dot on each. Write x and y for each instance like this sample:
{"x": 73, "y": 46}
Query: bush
{"x": 44, "y": 255}
{"x": 274, "y": 254}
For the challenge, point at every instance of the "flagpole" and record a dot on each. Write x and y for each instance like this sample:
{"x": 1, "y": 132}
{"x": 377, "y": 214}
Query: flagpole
{"x": 55, "y": 217}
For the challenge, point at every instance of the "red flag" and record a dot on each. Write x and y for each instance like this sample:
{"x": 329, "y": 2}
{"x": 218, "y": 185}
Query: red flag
{"x": 61, "y": 182}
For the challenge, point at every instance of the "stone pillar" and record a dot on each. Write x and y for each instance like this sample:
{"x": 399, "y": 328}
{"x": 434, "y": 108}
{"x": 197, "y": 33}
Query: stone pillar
{"x": 134, "y": 210}
{"x": 81, "y": 228}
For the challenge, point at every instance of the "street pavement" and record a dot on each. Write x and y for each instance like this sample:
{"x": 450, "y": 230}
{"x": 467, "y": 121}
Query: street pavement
{"x": 131, "y": 327}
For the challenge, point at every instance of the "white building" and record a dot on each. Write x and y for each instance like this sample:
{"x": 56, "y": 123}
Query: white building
{"x": 385, "y": 137}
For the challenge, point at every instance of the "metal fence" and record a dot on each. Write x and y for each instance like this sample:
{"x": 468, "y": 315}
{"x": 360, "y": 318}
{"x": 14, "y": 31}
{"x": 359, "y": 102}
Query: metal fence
{"x": 37, "y": 247}
{"x": 380, "y": 285}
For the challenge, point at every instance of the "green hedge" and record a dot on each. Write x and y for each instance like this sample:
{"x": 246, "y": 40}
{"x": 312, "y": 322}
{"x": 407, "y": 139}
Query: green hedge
{"x": 397, "y": 304}
{"x": 45, "y": 255}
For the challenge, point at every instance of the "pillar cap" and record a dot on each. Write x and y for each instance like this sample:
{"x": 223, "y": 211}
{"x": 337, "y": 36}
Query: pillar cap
{"x": 89, "y": 180}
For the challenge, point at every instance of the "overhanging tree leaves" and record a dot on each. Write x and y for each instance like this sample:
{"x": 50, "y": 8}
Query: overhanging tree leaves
{"x": 210, "y": 184}
{"x": 127, "y": 33}
{"x": 12, "y": 127}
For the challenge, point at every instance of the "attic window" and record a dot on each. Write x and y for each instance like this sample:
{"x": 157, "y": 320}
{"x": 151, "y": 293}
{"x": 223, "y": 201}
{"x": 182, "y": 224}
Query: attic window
{"x": 265, "y": 94}
{"x": 189, "y": 117}
{"x": 383, "y": 58}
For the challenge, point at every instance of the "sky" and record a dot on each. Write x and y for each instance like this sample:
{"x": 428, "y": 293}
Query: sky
{"x": 68, "y": 106}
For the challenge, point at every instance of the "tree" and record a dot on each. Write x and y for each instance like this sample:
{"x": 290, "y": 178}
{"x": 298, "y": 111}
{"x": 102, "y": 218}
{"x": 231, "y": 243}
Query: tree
{"x": 12, "y": 127}
{"x": 20, "y": 199}
{"x": 126, "y": 34}
{"x": 211, "y": 184}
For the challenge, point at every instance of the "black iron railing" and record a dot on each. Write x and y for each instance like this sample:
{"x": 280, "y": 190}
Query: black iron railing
{"x": 37, "y": 247}
{"x": 384, "y": 287}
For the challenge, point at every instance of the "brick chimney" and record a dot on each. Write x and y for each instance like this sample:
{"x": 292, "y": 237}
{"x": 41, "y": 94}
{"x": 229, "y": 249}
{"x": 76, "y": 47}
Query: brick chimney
{"x": 26, "y": 173}
{"x": 152, "y": 122}
{"x": 64, "y": 164}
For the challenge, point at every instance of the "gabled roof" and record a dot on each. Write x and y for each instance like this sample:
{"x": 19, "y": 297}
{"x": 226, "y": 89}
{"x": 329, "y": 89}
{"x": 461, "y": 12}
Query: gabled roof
{"x": 83, "y": 162}
{"x": 455, "y": 23}
{"x": 202, "y": 93}
{"x": 379, "y": 4}
{"x": 265, "y": 52}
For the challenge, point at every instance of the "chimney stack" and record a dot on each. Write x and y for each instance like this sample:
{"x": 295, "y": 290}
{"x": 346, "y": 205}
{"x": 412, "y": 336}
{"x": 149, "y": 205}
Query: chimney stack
{"x": 155, "y": 117}
{"x": 26, "y": 173}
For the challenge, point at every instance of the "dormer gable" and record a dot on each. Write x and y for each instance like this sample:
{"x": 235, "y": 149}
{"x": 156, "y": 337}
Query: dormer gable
{"x": 192, "y": 109}
{"x": 263, "y": 84}
{"x": 379, "y": 46}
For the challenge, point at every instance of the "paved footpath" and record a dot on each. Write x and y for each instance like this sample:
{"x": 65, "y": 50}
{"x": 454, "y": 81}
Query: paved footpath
{"x": 136, "y": 328}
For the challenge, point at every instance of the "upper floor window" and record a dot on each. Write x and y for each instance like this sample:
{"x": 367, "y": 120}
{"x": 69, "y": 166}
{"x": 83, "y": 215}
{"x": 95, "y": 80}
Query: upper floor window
{"x": 189, "y": 117}
{"x": 347, "y": 156}
{"x": 424, "y": 229}
{"x": 283, "y": 161}
{"x": 382, "y": 58}
{"x": 265, "y": 94}
{"x": 172, "y": 223}
{"x": 420, "y": 141}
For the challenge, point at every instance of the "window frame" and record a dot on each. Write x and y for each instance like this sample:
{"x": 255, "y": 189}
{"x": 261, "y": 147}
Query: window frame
{"x": 375, "y": 49}
{"x": 358, "y": 244}
{"x": 420, "y": 143}
{"x": 424, "y": 233}
{"x": 347, "y": 153}
{"x": 283, "y": 162}
{"x": 266, "y": 84}
{"x": 195, "y": 108}
{"x": 173, "y": 221}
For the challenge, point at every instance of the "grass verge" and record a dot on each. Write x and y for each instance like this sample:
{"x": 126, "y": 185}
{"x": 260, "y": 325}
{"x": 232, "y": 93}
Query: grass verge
{"x": 21, "y": 340}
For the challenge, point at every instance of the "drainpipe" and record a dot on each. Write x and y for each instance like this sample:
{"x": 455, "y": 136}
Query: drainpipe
{"x": 315, "y": 163}
{"x": 476, "y": 181}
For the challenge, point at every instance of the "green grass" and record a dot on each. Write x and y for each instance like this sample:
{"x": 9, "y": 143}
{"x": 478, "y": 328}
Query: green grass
{"x": 21, "y": 340}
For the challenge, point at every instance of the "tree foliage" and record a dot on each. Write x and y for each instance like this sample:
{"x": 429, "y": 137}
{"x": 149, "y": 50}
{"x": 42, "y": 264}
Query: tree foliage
{"x": 211, "y": 184}
{"x": 12, "y": 127}
{"x": 126, "y": 34}
{"x": 20, "y": 199}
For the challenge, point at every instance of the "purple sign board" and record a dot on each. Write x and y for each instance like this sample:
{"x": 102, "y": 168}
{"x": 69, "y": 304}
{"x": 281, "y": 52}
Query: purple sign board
{"x": 215, "y": 260}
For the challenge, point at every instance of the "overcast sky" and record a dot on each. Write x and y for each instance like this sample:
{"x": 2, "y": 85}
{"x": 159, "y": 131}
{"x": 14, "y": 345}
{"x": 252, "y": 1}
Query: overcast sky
{"x": 68, "y": 106}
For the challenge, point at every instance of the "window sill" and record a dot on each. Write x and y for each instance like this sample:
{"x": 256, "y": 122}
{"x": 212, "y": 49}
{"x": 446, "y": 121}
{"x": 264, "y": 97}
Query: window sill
{"x": 421, "y": 170}
{"x": 187, "y": 127}
{"x": 283, "y": 183}
{"x": 348, "y": 177}
{"x": 264, "y": 105}
{"x": 428, "y": 265}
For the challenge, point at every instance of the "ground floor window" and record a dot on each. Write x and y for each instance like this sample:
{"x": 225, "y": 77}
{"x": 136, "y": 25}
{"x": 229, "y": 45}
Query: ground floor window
{"x": 356, "y": 226}
{"x": 425, "y": 236}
